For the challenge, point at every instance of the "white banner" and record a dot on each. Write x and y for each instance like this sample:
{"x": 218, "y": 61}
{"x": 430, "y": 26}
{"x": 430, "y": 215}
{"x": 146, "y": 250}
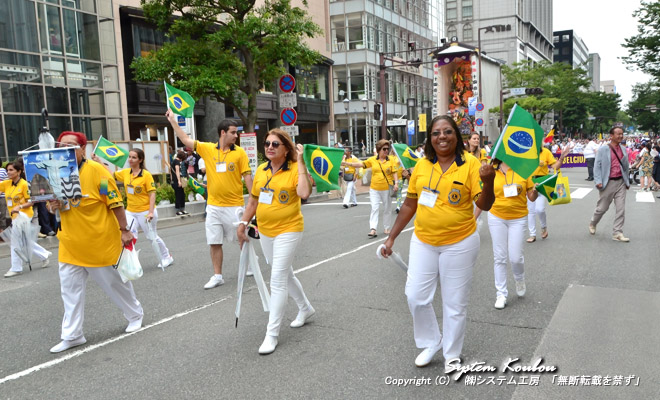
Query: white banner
{"x": 249, "y": 144}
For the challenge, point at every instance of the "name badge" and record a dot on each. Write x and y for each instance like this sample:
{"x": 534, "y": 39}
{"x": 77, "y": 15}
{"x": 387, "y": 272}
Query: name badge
{"x": 428, "y": 198}
{"x": 511, "y": 190}
{"x": 9, "y": 202}
{"x": 266, "y": 196}
{"x": 221, "y": 167}
{"x": 130, "y": 189}
{"x": 346, "y": 169}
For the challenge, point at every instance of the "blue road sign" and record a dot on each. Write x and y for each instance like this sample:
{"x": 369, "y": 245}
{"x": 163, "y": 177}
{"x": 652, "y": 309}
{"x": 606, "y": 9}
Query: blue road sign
{"x": 288, "y": 116}
{"x": 287, "y": 83}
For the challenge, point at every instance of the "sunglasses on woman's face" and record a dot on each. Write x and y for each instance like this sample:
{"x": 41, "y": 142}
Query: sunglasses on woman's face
{"x": 275, "y": 144}
{"x": 385, "y": 149}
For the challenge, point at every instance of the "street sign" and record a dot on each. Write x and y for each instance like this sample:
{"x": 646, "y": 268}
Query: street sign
{"x": 291, "y": 130}
{"x": 181, "y": 120}
{"x": 288, "y": 116}
{"x": 517, "y": 91}
{"x": 479, "y": 122}
{"x": 480, "y": 106}
{"x": 287, "y": 83}
{"x": 249, "y": 144}
{"x": 288, "y": 100}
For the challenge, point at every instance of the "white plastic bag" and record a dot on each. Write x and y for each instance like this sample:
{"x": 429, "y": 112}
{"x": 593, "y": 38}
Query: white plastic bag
{"x": 23, "y": 236}
{"x": 129, "y": 265}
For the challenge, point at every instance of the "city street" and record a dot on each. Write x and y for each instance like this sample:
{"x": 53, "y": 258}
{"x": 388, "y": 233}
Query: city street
{"x": 591, "y": 309}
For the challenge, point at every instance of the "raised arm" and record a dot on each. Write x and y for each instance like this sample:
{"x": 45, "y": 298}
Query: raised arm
{"x": 183, "y": 137}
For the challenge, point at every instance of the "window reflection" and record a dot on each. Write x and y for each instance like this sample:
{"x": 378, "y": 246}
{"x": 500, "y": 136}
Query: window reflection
{"x": 19, "y": 67}
{"x": 21, "y": 98}
{"x": 54, "y": 71}
{"x": 18, "y": 25}
{"x": 51, "y": 31}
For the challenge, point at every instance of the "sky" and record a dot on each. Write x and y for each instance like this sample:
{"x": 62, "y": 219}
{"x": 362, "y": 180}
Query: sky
{"x": 603, "y": 26}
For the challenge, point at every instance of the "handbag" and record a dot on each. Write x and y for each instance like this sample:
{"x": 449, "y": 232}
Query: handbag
{"x": 349, "y": 177}
{"x": 391, "y": 190}
{"x": 562, "y": 190}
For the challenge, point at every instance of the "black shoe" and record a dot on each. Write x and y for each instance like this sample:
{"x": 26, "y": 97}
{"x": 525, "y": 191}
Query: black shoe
{"x": 397, "y": 210}
{"x": 344, "y": 205}
{"x": 179, "y": 213}
{"x": 353, "y": 205}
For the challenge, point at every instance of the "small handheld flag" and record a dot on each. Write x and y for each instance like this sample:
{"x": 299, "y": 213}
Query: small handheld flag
{"x": 407, "y": 157}
{"x": 111, "y": 152}
{"x": 323, "y": 163}
{"x": 546, "y": 186}
{"x": 179, "y": 102}
{"x": 196, "y": 187}
{"x": 519, "y": 145}
{"x": 550, "y": 137}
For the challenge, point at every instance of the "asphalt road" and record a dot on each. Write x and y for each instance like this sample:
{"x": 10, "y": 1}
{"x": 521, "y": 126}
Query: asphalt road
{"x": 360, "y": 340}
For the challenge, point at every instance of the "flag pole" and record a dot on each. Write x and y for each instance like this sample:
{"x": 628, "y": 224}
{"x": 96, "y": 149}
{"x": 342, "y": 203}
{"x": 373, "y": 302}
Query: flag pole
{"x": 549, "y": 178}
{"x": 499, "y": 140}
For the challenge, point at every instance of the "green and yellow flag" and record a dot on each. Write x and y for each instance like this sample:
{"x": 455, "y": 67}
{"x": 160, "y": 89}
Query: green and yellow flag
{"x": 407, "y": 156}
{"x": 195, "y": 186}
{"x": 179, "y": 101}
{"x": 519, "y": 146}
{"x": 546, "y": 186}
{"x": 111, "y": 152}
{"x": 324, "y": 164}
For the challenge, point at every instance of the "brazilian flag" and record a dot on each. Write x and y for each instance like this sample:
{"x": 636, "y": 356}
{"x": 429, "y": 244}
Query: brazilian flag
{"x": 195, "y": 186}
{"x": 111, "y": 152}
{"x": 323, "y": 163}
{"x": 407, "y": 157}
{"x": 546, "y": 186}
{"x": 179, "y": 101}
{"x": 519, "y": 146}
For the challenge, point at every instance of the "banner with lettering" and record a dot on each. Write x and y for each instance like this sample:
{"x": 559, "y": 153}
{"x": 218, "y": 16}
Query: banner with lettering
{"x": 573, "y": 160}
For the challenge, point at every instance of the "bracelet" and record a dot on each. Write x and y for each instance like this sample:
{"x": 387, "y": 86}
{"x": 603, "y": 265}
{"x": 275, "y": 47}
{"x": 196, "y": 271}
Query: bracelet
{"x": 244, "y": 223}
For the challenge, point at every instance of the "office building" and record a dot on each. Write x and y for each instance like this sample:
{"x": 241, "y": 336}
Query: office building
{"x": 570, "y": 49}
{"x": 593, "y": 70}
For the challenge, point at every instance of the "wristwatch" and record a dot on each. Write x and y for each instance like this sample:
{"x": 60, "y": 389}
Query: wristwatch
{"x": 127, "y": 229}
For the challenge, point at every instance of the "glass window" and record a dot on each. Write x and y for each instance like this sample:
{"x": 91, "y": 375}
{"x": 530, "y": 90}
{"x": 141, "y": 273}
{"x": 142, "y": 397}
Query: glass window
{"x": 57, "y": 100}
{"x": 146, "y": 39}
{"x": 22, "y": 98}
{"x": 19, "y": 67}
{"x": 87, "y": 102}
{"x": 53, "y": 71}
{"x": 85, "y": 5}
{"x": 18, "y": 25}
{"x": 88, "y": 36}
{"x": 58, "y": 125}
{"x": 338, "y": 33}
{"x": 108, "y": 52}
{"x": 555, "y": 39}
{"x": 466, "y": 12}
{"x": 112, "y": 104}
{"x": 51, "y": 31}
{"x": 84, "y": 74}
{"x": 3, "y": 149}
{"x": 565, "y": 38}
{"x": 467, "y": 32}
{"x": 452, "y": 14}
{"x": 23, "y": 131}
{"x": 451, "y": 32}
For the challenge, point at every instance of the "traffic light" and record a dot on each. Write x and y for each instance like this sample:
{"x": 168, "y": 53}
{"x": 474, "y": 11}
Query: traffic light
{"x": 533, "y": 90}
{"x": 377, "y": 112}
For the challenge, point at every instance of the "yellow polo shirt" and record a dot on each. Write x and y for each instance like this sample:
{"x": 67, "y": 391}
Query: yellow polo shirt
{"x": 142, "y": 184}
{"x": 378, "y": 180}
{"x": 16, "y": 195}
{"x": 90, "y": 234}
{"x": 545, "y": 159}
{"x": 225, "y": 189}
{"x": 283, "y": 214}
{"x": 348, "y": 169}
{"x": 452, "y": 218}
{"x": 510, "y": 207}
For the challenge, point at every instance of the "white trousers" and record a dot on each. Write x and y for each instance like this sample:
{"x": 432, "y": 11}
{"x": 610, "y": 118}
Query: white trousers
{"x": 508, "y": 236}
{"x": 453, "y": 265}
{"x": 283, "y": 283}
{"x": 17, "y": 262}
{"x": 140, "y": 219}
{"x": 376, "y": 197}
{"x": 73, "y": 281}
{"x": 536, "y": 208}
{"x": 349, "y": 197}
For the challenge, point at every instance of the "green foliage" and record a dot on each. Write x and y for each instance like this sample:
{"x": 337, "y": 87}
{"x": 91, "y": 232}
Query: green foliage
{"x": 645, "y": 94}
{"x": 604, "y": 109}
{"x": 227, "y": 49}
{"x": 164, "y": 192}
{"x": 645, "y": 46}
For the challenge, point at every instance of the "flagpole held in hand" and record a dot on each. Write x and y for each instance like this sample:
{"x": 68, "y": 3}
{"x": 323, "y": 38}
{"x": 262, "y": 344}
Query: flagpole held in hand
{"x": 495, "y": 149}
{"x": 395, "y": 257}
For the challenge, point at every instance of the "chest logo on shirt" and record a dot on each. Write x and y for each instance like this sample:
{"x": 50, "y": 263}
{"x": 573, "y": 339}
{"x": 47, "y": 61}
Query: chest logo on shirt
{"x": 74, "y": 202}
{"x": 454, "y": 196}
{"x": 231, "y": 166}
{"x": 138, "y": 189}
{"x": 519, "y": 189}
{"x": 283, "y": 197}
{"x": 17, "y": 199}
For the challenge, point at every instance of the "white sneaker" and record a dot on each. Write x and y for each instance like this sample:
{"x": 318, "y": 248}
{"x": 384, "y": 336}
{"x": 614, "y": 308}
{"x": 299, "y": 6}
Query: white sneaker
{"x": 249, "y": 272}
{"x": 302, "y": 317}
{"x": 500, "y": 303}
{"x": 520, "y": 288}
{"x": 215, "y": 281}
{"x": 9, "y": 274}
{"x": 617, "y": 238}
{"x": 269, "y": 345}
{"x": 424, "y": 358}
{"x": 134, "y": 326}
{"x": 166, "y": 262}
{"x": 67, "y": 344}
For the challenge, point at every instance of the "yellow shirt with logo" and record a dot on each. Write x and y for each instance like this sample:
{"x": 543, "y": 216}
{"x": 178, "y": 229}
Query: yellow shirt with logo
{"x": 142, "y": 184}
{"x": 90, "y": 234}
{"x": 452, "y": 218}
{"x": 510, "y": 207}
{"x": 348, "y": 169}
{"x": 225, "y": 189}
{"x": 16, "y": 195}
{"x": 389, "y": 167}
{"x": 547, "y": 159}
{"x": 283, "y": 214}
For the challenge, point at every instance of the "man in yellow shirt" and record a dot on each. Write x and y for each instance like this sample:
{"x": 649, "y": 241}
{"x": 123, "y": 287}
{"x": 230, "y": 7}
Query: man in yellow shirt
{"x": 93, "y": 231}
{"x": 226, "y": 166}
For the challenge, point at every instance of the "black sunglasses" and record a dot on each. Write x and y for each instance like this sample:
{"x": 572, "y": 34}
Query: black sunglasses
{"x": 275, "y": 144}
{"x": 385, "y": 148}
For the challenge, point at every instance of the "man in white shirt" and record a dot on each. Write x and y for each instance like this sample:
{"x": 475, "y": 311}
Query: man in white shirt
{"x": 590, "y": 156}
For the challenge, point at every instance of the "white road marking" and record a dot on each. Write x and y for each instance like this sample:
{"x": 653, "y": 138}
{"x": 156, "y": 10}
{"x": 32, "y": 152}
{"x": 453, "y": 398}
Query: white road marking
{"x": 104, "y": 343}
{"x": 580, "y": 193}
{"x": 644, "y": 197}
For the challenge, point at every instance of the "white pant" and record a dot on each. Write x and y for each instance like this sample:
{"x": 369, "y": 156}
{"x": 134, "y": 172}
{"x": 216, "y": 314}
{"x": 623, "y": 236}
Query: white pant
{"x": 376, "y": 197}
{"x": 73, "y": 281}
{"x": 17, "y": 262}
{"x": 140, "y": 219}
{"x": 349, "y": 197}
{"x": 508, "y": 236}
{"x": 534, "y": 208}
{"x": 283, "y": 283}
{"x": 453, "y": 264}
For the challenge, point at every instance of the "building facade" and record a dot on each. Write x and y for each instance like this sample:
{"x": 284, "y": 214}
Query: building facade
{"x": 360, "y": 30}
{"x": 510, "y": 30}
{"x": 593, "y": 69}
{"x": 607, "y": 86}
{"x": 570, "y": 49}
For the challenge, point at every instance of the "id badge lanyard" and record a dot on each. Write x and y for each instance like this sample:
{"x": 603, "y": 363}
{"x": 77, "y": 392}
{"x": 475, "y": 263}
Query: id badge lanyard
{"x": 510, "y": 190}
{"x": 266, "y": 195}
{"x": 221, "y": 166}
{"x": 430, "y": 196}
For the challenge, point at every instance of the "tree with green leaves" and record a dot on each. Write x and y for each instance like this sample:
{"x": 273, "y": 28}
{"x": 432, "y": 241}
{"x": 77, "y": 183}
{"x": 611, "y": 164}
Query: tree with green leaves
{"x": 227, "y": 49}
{"x": 603, "y": 110}
{"x": 645, "y": 46}
{"x": 645, "y": 95}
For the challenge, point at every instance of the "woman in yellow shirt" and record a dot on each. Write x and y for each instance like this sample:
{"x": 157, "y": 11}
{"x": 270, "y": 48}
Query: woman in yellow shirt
{"x": 141, "y": 202}
{"x": 350, "y": 172}
{"x": 445, "y": 244}
{"x": 277, "y": 190}
{"x": 475, "y": 149}
{"x": 383, "y": 175}
{"x": 18, "y": 200}
{"x": 507, "y": 221}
